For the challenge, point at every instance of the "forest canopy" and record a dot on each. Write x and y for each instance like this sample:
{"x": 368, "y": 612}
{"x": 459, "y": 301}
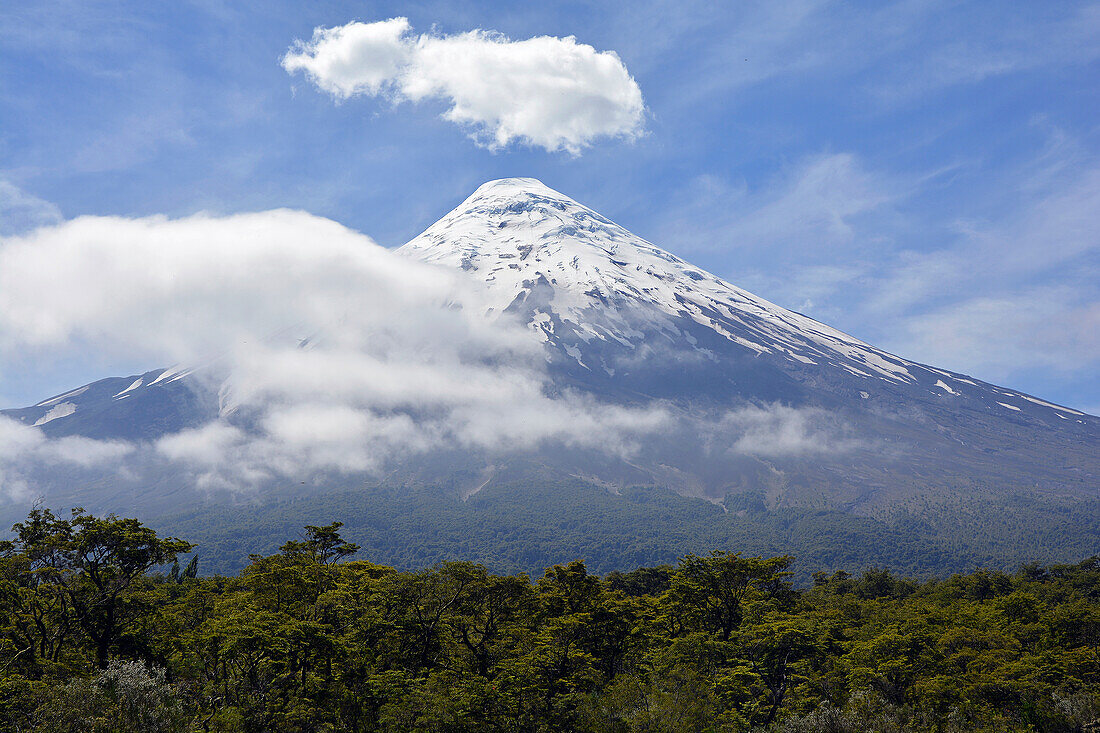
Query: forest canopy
{"x": 101, "y": 630}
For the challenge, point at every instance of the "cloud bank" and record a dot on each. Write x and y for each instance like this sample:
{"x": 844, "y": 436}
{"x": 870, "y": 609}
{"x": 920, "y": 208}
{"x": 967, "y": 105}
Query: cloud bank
{"x": 328, "y": 352}
{"x": 545, "y": 91}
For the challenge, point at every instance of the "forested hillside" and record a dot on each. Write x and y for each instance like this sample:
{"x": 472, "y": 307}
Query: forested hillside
{"x": 103, "y": 631}
{"x": 529, "y": 524}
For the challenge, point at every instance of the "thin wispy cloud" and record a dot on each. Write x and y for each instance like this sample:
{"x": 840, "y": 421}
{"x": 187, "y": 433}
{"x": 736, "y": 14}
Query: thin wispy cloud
{"x": 1013, "y": 295}
{"x": 999, "y": 299}
{"x": 549, "y": 92}
{"x": 1039, "y": 328}
{"x": 888, "y": 53}
{"x": 21, "y": 211}
{"x": 811, "y": 206}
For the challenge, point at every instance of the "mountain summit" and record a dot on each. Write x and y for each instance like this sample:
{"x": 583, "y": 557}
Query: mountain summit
{"x": 584, "y": 282}
{"x": 530, "y": 243}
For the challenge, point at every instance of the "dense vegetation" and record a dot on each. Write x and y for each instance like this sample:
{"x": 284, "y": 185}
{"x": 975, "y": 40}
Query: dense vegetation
{"x": 95, "y": 635}
{"x": 526, "y": 525}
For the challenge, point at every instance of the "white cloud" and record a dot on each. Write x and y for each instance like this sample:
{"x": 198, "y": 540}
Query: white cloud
{"x": 357, "y": 58}
{"x": 17, "y": 439}
{"x": 177, "y": 289}
{"x": 544, "y": 91}
{"x": 331, "y": 353}
{"x": 83, "y": 452}
{"x": 22, "y": 448}
{"x": 781, "y": 431}
{"x": 205, "y": 446}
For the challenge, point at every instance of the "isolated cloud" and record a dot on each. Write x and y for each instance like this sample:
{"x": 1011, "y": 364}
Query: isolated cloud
{"x": 774, "y": 431}
{"x": 546, "y": 91}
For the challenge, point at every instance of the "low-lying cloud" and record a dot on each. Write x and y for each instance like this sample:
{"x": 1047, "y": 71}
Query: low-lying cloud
{"x": 781, "y": 431}
{"x": 329, "y": 356}
{"x": 23, "y": 446}
{"x": 327, "y": 351}
{"x": 545, "y": 91}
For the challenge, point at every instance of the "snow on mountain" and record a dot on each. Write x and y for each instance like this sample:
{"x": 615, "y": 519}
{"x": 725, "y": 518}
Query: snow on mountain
{"x": 518, "y": 233}
{"x": 134, "y": 407}
{"x": 563, "y": 264}
{"x": 602, "y": 299}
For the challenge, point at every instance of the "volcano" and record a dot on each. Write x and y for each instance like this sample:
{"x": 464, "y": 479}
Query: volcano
{"x": 769, "y": 409}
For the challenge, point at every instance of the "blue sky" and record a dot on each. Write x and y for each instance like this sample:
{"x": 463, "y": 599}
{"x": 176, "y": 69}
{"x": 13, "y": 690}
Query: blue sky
{"x": 923, "y": 175}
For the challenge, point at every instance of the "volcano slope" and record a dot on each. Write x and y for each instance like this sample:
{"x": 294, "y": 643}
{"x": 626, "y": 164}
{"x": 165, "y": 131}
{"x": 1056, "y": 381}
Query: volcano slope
{"x": 771, "y": 399}
{"x": 777, "y": 433}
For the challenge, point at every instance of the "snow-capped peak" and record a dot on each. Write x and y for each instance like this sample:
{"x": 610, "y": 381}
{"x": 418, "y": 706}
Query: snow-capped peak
{"x": 519, "y": 235}
{"x": 510, "y": 187}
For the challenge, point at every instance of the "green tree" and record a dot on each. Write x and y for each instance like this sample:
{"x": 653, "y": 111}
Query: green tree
{"x": 710, "y": 592}
{"x": 323, "y": 545}
{"x": 88, "y": 568}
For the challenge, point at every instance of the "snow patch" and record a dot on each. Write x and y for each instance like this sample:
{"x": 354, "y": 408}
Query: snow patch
{"x": 522, "y": 232}
{"x": 1050, "y": 405}
{"x": 574, "y": 352}
{"x": 945, "y": 387}
{"x": 170, "y": 375}
{"x": 63, "y": 410}
{"x": 131, "y": 388}
{"x": 1011, "y": 407}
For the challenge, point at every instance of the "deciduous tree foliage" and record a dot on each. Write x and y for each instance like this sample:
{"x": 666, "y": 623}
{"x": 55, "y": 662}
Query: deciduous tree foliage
{"x": 101, "y": 631}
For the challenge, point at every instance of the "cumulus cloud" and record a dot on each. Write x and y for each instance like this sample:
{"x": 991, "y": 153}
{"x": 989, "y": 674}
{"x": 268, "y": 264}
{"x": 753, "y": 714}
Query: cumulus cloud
{"x": 329, "y": 353}
{"x": 545, "y": 91}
